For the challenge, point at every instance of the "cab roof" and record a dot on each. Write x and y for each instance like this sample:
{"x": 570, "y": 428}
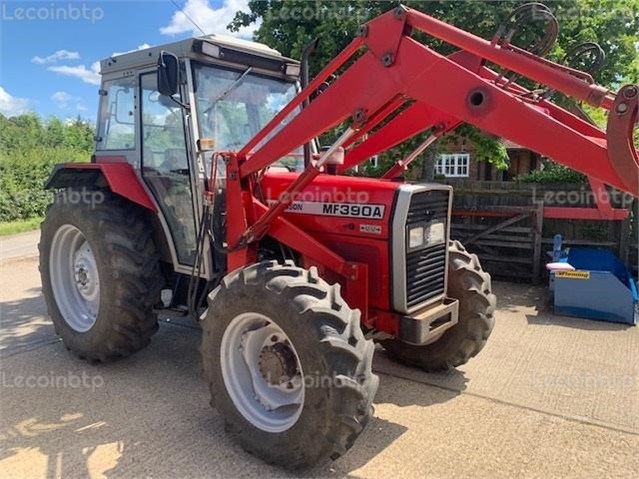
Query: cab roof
{"x": 208, "y": 48}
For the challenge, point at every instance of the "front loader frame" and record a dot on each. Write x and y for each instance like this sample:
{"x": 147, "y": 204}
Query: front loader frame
{"x": 394, "y": 73}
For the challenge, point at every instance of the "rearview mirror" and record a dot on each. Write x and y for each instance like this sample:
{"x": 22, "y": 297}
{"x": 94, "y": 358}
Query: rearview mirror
{"x": 168, "y": 73}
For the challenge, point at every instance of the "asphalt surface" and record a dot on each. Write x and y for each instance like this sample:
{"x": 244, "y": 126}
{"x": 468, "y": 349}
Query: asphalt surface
{"x": 22, "y": 245}
{"x": 548, "y": 397}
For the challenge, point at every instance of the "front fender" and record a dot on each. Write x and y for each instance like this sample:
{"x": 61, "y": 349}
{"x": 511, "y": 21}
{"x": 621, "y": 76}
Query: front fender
{"x": 119, "y": 177}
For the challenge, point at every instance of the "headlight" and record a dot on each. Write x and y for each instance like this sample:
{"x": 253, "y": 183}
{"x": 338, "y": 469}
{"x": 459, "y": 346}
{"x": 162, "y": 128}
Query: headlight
{"x": 426, "y": 235}
{"x": 292, "y": 69}
{"x": 416, "y": 237}
{"x": 435, "y": 233}
{"x": 210, "y": 50}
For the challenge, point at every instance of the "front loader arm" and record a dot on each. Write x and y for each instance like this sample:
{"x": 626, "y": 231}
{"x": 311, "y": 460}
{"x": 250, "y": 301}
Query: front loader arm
{"x": 414, "y": 120}
{"x": 395, "y": 65}
{"x": 393, "y": 69}
{"x": 492, "y": 109}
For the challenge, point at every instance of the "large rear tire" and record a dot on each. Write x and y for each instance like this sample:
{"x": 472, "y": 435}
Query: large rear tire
{"x": 100, "y": 273}
{"x": 471, "y": 285}
{"x": 288, "y": 366}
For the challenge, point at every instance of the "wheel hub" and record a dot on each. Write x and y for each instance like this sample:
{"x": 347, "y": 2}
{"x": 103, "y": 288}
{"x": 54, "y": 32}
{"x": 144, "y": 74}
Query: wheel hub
{"x": 278, "y": 364}
{"x": 262, "y": 372}
{"x": 81, "y": 276}
{"x": 85, "y": 272}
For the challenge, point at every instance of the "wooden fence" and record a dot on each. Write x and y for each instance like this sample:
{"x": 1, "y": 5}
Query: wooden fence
{"x": 503, "y": 223}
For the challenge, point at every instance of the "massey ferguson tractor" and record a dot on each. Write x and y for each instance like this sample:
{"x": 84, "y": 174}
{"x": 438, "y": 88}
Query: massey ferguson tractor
{"x": 211, "y": 196}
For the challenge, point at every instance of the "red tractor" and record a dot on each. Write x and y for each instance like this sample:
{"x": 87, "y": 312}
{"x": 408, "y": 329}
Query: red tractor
{"x": 209, "y": 195}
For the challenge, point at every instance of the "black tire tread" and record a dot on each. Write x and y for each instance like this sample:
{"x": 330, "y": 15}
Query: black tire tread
{"x": 336, "y": 328}
{"x": 476, "y": 320}
{"x": 134, "y": 277}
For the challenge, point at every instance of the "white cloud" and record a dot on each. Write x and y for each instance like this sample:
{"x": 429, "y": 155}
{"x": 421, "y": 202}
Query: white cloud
{"x": 11, "y": 105}
{"x": 54, "y": 57}
{"x": 65, "y": 101}
{"x": 144, "y": 46}
{"x": 89, "y": 75}
{"x": 61, "y": 98}
{"x": 211, "y": 20}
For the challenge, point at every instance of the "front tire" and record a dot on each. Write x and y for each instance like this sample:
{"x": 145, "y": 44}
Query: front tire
{"x": 471, "y": 285}
{"x": 287, "y": 364}
{"x": 100, "y": 273}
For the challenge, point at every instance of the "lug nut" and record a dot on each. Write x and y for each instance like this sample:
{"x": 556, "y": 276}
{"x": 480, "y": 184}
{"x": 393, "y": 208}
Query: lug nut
{"x": 289, "y": 385}
{"x": 274, "y": 338}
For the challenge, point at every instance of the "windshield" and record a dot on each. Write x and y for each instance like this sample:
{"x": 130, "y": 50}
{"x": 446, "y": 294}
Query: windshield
{"x": 233, "y": 106}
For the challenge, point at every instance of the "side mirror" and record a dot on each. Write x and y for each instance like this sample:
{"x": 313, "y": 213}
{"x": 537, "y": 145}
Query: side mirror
{"x": 168, "y": 73}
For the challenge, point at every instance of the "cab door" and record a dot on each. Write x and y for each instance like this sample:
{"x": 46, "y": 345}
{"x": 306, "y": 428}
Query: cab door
{"x": 165, "y": 165}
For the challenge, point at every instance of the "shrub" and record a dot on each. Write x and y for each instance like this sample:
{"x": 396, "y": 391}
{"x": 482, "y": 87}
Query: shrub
{"x": 22, "y": 178}
{"x": 552, "y": 173}
{"x": 29, "y": 149}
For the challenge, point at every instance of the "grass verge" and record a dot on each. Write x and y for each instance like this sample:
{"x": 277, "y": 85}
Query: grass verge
{"x": 20, "y": 226}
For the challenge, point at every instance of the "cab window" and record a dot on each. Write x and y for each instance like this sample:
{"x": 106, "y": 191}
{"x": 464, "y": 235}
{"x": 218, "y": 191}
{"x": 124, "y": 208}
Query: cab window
{"x": 233, "y": 106}
{"x": 116, "y": 125}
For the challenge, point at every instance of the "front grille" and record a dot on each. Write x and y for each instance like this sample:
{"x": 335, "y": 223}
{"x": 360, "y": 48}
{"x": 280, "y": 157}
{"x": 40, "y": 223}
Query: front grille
{"x": 425, "y": 274}
{"x": 426, "y": 268}
{"x": 427, "y": 206}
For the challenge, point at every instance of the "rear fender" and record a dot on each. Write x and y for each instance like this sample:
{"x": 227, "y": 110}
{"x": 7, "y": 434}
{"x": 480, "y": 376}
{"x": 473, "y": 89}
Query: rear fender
{"x": 119, "y": 177}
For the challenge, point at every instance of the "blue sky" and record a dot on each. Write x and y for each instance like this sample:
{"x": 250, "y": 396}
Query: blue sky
{"x": 49, "y": 50}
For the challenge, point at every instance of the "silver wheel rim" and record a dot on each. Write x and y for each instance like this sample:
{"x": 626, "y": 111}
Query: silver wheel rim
{"x": 262, "y": 372}
{"x": 74, "y": 278}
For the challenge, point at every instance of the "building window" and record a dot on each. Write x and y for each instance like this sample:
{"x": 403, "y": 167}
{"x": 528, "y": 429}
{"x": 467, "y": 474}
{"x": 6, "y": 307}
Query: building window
{"x": 453, "y": 165}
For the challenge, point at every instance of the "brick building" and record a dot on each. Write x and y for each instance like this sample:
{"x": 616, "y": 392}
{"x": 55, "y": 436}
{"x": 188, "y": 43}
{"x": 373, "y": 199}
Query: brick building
{"x": 458, "y": 162}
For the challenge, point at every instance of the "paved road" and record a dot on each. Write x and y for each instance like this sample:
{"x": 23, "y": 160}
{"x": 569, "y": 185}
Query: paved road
{"x": 548, "y": 397}
{"x": 19, "y": 246}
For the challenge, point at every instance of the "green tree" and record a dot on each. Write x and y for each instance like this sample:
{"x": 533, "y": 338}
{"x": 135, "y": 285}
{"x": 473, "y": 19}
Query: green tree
{"x": 20, "y": 132}
{"x": 29, "y": 148}
{"x": 54, "y": 133}
{"x": 288, "y": 25}
{"x": 79, "y": 135}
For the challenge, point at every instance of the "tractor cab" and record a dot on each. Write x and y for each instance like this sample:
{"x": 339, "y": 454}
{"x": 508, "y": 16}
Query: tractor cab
{"x": 164, "y": 110}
